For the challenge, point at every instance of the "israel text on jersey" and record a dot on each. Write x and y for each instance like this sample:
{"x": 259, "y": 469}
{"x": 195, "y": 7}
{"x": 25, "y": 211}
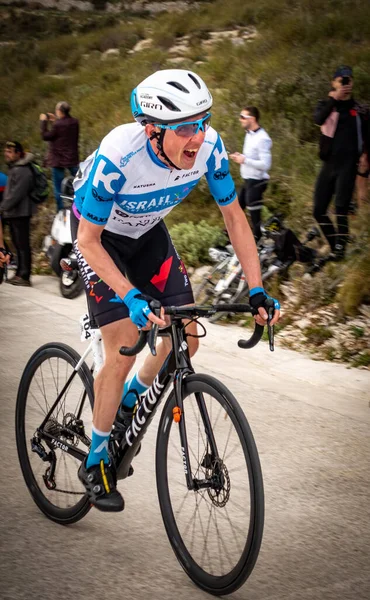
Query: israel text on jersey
{"x": 125, "y": 187}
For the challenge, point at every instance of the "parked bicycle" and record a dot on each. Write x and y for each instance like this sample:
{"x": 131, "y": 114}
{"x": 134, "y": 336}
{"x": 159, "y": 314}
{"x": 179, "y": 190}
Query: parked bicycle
{"x": 59, "y": 249}
{"x": 278, "y": 250}
{"x": 208, "y": 472}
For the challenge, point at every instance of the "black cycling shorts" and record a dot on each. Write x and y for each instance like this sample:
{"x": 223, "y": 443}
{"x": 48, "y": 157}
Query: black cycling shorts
{"x": 150, "y": 263}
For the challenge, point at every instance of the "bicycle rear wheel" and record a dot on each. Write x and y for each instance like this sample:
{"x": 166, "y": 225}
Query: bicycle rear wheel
{"x": 50, "y": 473}
{"x": 216, "y": 531}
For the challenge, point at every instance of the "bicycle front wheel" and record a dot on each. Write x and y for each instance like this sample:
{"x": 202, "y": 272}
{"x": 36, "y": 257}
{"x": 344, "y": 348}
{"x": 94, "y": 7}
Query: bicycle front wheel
{"x": 215, "y": 530}
{"x": 49, "y": 471}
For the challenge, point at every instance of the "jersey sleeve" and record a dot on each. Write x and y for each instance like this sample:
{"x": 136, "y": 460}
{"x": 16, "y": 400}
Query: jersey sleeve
{"x": 218, "y": 176}
{"x": 104, "y": 181}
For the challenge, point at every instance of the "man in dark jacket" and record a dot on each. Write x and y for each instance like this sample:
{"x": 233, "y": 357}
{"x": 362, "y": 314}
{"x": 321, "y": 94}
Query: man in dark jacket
{"x": 17, "y": 208}
{"x": 344, "y": 140}
{"x": 63, "y": 147}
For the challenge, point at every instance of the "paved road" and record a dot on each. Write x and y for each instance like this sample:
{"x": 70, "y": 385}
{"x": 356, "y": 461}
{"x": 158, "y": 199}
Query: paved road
{"x": 311, "y": 424}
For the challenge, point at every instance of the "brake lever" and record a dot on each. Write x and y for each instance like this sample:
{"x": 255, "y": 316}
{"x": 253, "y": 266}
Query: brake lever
{"x": 155, "y": 307}
{"x": 270, "y": 328}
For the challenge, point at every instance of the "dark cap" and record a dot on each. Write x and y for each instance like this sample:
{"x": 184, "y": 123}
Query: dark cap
{"x": 343, "y": 71}
{"x": 16, "y": 145}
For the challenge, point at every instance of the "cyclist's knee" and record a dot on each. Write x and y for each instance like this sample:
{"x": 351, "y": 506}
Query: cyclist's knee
{"x": 119, "y": 365}
{"x": 117, "y": 334}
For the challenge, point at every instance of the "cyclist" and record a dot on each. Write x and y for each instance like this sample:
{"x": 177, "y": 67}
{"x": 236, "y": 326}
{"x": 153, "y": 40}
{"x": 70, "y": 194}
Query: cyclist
{"x": 122, "y": 192}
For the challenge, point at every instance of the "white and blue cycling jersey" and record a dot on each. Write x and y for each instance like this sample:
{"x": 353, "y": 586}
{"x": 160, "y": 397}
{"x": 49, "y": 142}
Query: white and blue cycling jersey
{"x": 124, "y": 186}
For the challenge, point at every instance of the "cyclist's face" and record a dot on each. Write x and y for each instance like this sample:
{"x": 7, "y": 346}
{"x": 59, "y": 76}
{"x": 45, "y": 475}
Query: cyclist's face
{"x": 182, "y": 151}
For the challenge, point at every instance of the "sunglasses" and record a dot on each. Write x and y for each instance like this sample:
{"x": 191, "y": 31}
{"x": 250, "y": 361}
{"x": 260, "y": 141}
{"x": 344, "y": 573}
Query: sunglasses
{"x": 244, "y": 116}
{"x": 10, "y": 145}
{"x": 189, "y": 128}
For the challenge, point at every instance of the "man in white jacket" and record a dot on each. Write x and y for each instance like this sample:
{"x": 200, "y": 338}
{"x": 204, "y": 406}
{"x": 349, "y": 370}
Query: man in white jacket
{"x": 255, "y": 162}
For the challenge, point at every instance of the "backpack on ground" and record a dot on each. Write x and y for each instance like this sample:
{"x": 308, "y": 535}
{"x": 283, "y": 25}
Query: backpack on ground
{"x": 40, "y": 190}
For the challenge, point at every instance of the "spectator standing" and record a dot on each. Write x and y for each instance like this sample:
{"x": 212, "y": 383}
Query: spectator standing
{"x": 344, "y": 141}
{"x": 255, "y": 162}
{"x": 63, "y": 145}
{"x": 17, "y": 208}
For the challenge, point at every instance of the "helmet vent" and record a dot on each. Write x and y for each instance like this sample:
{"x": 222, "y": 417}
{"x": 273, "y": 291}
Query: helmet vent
{"x": 178, "y": 86}
{"x": 195, "y": 80}
{"x": 168, "y": 104}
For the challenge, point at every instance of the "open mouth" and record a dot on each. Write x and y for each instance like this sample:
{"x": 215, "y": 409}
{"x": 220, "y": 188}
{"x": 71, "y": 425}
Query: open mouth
{"x": 190, "y": 153}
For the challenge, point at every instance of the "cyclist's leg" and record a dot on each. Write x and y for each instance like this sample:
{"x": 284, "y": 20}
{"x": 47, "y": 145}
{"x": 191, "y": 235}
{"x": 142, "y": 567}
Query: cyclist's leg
{"x": 109, "y": 382}
{"x": 111, "y": 315}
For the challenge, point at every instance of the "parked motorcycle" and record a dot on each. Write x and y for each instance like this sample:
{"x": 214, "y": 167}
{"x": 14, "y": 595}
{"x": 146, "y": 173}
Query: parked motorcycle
{"x": 58, "y": 246}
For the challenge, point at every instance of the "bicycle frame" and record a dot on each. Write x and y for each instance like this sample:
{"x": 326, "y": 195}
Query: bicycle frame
{"x": 175, "y": 368}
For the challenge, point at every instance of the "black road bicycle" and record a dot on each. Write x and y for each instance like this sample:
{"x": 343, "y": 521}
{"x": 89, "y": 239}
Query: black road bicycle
{"x": 208, "y": 472}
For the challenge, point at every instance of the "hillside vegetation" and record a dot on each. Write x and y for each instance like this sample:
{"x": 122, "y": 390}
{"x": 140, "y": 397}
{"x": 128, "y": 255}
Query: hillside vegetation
{"x": 285, "y": 66}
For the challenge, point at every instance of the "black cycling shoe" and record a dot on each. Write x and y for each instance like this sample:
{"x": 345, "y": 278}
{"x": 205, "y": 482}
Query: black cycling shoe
{"x": 100, "y": 483}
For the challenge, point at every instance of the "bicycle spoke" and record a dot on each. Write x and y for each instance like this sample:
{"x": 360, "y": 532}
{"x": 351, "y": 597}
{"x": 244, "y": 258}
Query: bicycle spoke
{"x": 43, "y": 395}
{"x": 228, "y": 439}
{"x": 52, "y": 372}
{"x": 38, "y": 404}
{"x": 206, "y": 535}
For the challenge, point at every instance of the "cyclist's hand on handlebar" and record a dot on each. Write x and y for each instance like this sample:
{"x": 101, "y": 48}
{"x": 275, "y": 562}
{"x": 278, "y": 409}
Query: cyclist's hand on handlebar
{"x": 153, "y": 319}
{"x": 139, "y": 310}
{"x": 259, "y": 299}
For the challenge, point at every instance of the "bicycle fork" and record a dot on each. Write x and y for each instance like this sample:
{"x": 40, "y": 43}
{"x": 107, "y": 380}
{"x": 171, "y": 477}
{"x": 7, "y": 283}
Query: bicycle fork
{"x": 210, "y": 459}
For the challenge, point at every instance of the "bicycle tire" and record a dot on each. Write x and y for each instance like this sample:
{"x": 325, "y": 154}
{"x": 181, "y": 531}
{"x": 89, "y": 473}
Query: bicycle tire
{"x": 64, "y": 516}
{"x": 225, "y": 583}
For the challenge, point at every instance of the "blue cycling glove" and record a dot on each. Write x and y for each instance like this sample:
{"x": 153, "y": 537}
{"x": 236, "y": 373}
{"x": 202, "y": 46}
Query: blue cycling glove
{"x": 138, "y": 307}
{"x": 258, "y": 297}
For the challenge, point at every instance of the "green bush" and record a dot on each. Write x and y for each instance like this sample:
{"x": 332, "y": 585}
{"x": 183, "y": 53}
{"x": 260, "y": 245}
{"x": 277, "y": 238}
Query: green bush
{"x": 193, "y": 240}
{"x": 356, "y": 285}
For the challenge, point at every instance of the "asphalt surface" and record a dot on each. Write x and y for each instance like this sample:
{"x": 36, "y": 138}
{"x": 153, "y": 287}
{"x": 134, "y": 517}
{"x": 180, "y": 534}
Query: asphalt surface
{"x": 311, "y": 424}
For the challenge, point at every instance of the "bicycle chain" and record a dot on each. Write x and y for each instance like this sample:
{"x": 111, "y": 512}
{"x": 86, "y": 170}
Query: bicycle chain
{"x": 67, "y": 492}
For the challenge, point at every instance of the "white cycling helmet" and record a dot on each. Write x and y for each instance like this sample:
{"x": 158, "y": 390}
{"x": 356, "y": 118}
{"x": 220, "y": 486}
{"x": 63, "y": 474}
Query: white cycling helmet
{"x": 170, "y": 95}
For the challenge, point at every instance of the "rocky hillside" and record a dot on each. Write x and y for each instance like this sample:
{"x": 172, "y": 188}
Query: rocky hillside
{"x": 277, "y": 56}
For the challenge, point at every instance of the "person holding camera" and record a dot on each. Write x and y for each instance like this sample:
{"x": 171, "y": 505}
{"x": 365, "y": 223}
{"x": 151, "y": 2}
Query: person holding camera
{"x": 344, "y": 143}
{"x": 63, "y": 145}
{"x": 255, "y": 162}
